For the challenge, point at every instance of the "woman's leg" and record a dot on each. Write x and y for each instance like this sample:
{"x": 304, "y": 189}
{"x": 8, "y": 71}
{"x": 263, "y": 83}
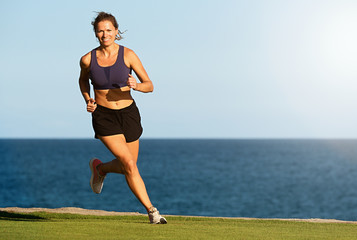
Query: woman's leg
{"x": 125, "y": 163}
{"x": 115, "y": 166}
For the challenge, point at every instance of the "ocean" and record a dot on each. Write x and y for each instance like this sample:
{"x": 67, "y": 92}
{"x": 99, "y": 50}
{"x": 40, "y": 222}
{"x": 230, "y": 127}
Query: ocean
{"x": 260, "y": 178}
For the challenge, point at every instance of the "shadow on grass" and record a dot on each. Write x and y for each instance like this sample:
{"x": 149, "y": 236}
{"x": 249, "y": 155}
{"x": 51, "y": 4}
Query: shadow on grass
{"x": 9, "y": 216}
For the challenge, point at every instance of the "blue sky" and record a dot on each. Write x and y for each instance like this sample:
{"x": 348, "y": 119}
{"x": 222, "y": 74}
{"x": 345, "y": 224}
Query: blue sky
{"x": 221, "y": 69}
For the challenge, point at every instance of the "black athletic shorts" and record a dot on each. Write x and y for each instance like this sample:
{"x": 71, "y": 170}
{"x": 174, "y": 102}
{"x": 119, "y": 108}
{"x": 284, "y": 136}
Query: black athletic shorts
{"x": 127, "y": 121}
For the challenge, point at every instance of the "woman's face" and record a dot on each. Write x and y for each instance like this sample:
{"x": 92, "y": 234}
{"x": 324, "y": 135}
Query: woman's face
{"x": 106, "y": 33}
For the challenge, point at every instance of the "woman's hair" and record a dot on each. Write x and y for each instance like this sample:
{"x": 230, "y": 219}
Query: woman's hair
{"x": 103, "y": 16}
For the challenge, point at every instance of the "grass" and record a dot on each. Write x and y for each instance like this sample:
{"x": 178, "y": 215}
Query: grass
{"x": 43, "y": 225}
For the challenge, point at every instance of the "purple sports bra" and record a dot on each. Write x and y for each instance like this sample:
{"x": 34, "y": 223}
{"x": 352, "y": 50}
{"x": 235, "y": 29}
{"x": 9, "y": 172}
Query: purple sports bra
{"x": 114, "y": 76}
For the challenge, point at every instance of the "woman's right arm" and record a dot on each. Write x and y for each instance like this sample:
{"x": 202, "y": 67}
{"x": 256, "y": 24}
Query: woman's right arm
{"x": 84, "y": 82}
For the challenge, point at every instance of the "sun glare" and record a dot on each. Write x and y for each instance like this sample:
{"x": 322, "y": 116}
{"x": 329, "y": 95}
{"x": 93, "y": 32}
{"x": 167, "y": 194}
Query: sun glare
{"x": 339, "y": 46}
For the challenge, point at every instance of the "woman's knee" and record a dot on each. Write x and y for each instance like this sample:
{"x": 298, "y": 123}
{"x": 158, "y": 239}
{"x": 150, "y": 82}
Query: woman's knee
{"x": 130, "y": 167}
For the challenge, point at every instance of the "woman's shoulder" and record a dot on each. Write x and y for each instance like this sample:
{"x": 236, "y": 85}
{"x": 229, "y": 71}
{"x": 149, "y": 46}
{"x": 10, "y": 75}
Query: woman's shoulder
{"x": 85, "y": 60}
{"x": 129, "y": 53}
{"x": 127, "y": 50}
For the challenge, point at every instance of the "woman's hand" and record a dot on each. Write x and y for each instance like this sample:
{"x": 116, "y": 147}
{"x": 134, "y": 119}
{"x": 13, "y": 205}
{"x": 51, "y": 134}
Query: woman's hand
{"x": 132, "y": 82}
{"x": 91, "y": 105}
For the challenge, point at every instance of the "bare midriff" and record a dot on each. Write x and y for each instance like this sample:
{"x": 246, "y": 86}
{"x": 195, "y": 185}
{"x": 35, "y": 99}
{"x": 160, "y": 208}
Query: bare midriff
{"x": 116, "y": 98}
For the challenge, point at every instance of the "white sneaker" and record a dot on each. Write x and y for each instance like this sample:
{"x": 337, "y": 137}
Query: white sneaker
{"x": 96, "y": 180}
{"x": 155, "y": 217}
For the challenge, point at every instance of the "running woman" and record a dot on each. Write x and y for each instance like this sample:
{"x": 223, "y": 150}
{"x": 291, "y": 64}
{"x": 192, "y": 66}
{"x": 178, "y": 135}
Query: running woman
{"x": 115, "y": 117}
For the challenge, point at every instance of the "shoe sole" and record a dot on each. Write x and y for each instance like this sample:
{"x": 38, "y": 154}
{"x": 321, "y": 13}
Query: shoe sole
{"x": 92, "y": 176}
{"x": 162, "y": 221}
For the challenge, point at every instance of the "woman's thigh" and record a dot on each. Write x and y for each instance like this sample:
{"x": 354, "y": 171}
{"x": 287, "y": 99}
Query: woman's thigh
{"x": 120, "y": 148}
{"x": 134, "y": 149}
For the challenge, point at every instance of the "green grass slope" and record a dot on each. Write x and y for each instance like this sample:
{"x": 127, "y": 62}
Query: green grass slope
{"x": 43, "y": 225}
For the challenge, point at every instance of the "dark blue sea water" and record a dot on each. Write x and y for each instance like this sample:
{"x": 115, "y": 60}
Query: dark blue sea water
{"x": 229, "y": 178}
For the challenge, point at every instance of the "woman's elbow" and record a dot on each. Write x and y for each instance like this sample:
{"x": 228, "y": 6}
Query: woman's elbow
{"x": 150, "y": 87}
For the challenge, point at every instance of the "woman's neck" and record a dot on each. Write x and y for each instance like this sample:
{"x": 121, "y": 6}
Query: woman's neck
{"x": 109, "y": 50}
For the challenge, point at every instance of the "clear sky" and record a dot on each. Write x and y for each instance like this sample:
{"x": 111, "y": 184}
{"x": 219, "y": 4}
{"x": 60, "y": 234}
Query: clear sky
{"x": 221, "y": 68}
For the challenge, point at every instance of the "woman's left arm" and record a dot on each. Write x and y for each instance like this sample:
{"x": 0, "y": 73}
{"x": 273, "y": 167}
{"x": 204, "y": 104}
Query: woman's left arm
{"x": 145, "y": 84}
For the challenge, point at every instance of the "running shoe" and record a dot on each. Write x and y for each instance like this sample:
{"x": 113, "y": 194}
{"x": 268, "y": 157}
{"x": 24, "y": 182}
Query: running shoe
{"x": 155, "y": 217}
{"x": 96, "y": 180}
